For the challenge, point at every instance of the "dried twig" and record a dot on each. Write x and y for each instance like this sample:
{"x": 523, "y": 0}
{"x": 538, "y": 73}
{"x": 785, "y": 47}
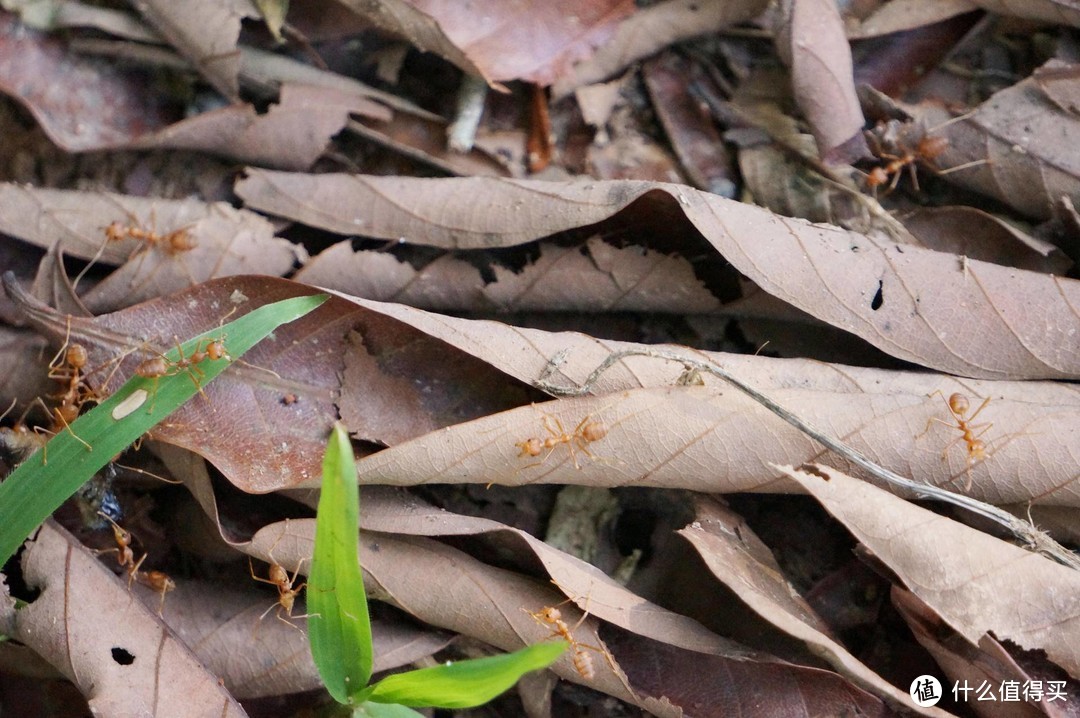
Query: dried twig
{"x": 1023, "y": 530}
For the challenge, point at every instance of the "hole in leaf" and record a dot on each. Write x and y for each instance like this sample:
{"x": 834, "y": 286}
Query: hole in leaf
{"x": 878, "y": 299}
{"x": 122, "y": 657}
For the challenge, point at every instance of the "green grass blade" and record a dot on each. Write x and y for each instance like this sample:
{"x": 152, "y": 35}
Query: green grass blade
{"x": 384, "y": 710}
{"x": 465, "y": 684}
{"x": 34, "y": 490}
{"x": 339, "y": 629}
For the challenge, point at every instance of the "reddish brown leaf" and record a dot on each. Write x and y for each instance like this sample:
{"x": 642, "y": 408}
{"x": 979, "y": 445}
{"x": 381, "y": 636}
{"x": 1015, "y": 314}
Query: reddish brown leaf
{"x": 242, "y": 423}
{"x": 650, "y": 30}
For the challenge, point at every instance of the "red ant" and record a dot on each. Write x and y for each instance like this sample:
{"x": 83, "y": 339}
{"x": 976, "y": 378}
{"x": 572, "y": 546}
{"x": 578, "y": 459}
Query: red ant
{"x": 160, "y": 365}
{"x": 287, "y": 591}
{"x": 551, "y": 617}
{"x": 172, "y": 244}
{"x": 926, "y": 151}
{"x": 958, "y": 406}
{"x": 125, "y": 557}
{"x": 584, "y": 433}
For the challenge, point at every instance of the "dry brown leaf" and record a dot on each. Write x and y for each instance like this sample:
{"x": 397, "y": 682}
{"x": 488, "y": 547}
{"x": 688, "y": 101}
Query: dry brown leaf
{"x": 487, "y": 603}
{"x": 739, "y": 560}
{"x": 424, "y": 140}
{"x": 718, "y": 440}
{"x": 901, "y": 15}
{"x": 66, "y": 93}
{"x": 977, "y": 583}
{"x": 106, "y": 641}
{"x": 987, "y": 665}
{"x": 205, "y": 32}
{"x": 692, "y": 131}
{"x": 266, "y": 657}
{"x": 228, "y": 241}
{"x": 1055, "y": 12}
{"x": 936, "y": 309}
{"x": 650, "y": 30}
{"x": 472, "y": 598}
{"x": 970, "y": 232}
{"x": 1017, "y": 147}
{"x": 421, "y": 29}
{"x": 596, "y": 277}
{"x": 388, "y": 511}
{"x": 231, "y": 424}
{"x": 708, "y": 686}
{"x": 292, "y": 134}
{"x": 1060, "y": 84}
{"x": 526, "y": 41}
{"x": 810, "y": 41}
{"x": 20, "y": 379}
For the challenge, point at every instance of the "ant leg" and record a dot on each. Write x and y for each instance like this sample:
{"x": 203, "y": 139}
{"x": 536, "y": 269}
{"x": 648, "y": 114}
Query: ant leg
{"x": 981, "y": 407}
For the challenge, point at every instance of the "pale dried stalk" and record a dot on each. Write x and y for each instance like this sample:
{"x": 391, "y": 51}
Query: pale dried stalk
{"x": 1036, "y": 540}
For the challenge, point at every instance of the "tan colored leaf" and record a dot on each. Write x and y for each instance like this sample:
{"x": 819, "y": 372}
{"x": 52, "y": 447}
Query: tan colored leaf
{"x": 78, "y": 220}
{"x": 650, "y": 30}
{"x": 597, "y": 277}
{"x": 20, "y": 379}
{"x": 810, "y": 40}
{"x": 492, "y": 604}
{"x": 1016, "y": 147}
{"x": 106, "y": 641}
{"x": 966, "y": 665}
{"x": 421, "y": 29}
{"x": 719, "y": 440}
{"x": 901, "y": 15}
{"x": 64, "y": 91}
{"x": 388, "y": 511}
{"x": 931, "y": 308}
{"x": 292, "y": 134}
{"x": 970, "y": 232}
{"x": 205, "y": 32}
{"x": 222, "y": 625}
{"x": 977, "y": 583}
{"x": 739, "y": 560}
{"x": 475, "y": 599}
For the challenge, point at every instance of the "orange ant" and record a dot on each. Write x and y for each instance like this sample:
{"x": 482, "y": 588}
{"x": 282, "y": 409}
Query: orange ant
{"x": 125, "y": 558}
{"x": 926, "y": 151}
{"x": 160, "y": 365}
{"x": 551, "y": 617}
{"x": 958, "y": 406}
{"x": 584, "y": 433}
{"x": 172, "y": 244}
{"x": 287, "y": 591}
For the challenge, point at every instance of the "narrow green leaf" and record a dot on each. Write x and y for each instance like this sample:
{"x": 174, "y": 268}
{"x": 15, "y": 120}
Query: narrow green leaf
{"x": 339, "y": 629}
{"x": 384, "y": 710}
{"x": 34, "y": 490}
{"x": 465, "y": 684}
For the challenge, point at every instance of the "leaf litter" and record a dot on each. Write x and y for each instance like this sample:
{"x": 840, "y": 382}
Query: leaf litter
{"x": 432, "y": 398}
